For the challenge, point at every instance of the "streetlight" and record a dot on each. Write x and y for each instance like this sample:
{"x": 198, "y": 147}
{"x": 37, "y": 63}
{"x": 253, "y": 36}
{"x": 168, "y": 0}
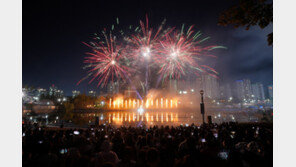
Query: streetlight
{"x": 202, "y": 106}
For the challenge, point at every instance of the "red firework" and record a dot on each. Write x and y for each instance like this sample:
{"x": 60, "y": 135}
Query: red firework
{"x": 105, "y": 61}
{"x": 181, "y": 53}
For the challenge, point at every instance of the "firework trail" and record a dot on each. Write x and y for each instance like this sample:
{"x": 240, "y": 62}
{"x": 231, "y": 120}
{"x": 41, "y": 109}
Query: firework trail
{"x": 106, "y": 61}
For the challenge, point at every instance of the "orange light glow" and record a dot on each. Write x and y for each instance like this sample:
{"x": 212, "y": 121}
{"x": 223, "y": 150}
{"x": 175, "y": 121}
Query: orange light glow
{"x": 120, "y": 103}
{"x": 147, "y": 117}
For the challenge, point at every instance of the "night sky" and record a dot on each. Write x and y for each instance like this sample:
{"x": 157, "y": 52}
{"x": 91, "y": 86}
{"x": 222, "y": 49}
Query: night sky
{"x": 53, "y": 32}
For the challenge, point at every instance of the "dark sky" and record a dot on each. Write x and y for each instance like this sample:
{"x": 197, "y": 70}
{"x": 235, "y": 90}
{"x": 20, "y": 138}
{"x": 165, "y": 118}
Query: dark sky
{"x": 53, "y": 32}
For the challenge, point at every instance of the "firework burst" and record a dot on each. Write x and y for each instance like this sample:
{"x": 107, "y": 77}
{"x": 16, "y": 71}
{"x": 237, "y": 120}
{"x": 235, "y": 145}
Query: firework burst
{"x": 144, "y": 43}
{"x": 106, "y": 61}
{"x": 173, "y": 53}
{"x": 181, "y": 53}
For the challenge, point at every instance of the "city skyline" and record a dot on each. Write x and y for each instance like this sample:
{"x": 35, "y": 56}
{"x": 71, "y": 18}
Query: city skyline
{"x": 243, "y": 90}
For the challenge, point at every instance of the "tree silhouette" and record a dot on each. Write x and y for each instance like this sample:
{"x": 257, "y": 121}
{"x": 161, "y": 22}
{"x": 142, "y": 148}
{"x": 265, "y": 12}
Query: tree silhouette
{"x": 249, "y": 13}
{"x": 81, "y": 101}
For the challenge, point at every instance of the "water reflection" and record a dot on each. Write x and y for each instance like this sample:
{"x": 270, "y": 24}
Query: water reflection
{"x": 148, "y": 118}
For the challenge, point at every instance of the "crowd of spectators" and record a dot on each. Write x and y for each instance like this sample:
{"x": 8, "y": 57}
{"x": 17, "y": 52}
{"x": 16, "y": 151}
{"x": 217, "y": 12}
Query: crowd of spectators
{"x": 226, "y": 144}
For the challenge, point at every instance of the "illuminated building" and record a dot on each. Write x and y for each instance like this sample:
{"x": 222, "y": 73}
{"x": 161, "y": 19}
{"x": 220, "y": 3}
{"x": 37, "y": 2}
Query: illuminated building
{"x": 225, "y": 91}
{"x": 75, "y": 93}
{"x": 41, "y": 91}
{"x": 210, "y": 86}
{"x": 54, "y": 91}
{"x": 270, "y": 91}
{"x": 30, "y": 95}
{"x": 243, "y": 89}
{"x": 255, "y": 91}
{"x": 113, "y": 88}
{"x": 258, "y": 91}
{"x": 239, "y": 88}
{"x": 247, "y": 89}
{"x": 261, "y": 90}
{"x": 92, "y": 93}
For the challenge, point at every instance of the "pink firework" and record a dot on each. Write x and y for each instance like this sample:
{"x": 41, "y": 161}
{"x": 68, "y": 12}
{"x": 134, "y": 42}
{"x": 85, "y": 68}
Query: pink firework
{"x": 144, "y": 43}
{"x": 180, "y": 53}
{"x": 105, "y": 62}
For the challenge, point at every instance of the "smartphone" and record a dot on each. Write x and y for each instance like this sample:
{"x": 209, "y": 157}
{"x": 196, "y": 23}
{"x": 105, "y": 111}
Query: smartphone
{"x": 106, "y": 136}
{"x": 24, "y": 134}
{"x": 62, "y": 151}
{"x": 169, "y": 136}
{"x": 40, "y": 141}
{"x": 216, "y": 135}
{"x": 203, "y": 140}
{"x": 223, "y": 155}
{"x": 76, "y": 132}
{"x": 192, "y": 133}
